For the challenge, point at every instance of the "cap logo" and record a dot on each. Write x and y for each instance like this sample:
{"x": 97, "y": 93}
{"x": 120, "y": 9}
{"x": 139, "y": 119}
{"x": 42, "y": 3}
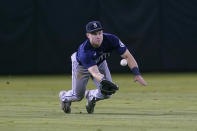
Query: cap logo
{"x": 95, "y": 25}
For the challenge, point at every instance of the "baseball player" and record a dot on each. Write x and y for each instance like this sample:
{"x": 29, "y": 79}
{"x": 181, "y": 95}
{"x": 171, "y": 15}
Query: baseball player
{"x": 90, "y": 62}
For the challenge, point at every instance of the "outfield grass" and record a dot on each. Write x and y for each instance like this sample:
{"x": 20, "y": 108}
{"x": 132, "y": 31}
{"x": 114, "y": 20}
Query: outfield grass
{"x": 168, "y": 103}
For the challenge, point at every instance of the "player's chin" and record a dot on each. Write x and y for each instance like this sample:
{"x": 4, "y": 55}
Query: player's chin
{"x": 97, "y": 45}
{"x": 98, "y": 42}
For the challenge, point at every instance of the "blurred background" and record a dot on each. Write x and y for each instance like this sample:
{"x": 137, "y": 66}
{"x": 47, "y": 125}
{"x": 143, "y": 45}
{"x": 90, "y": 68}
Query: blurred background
{"x": 39, "y": 36}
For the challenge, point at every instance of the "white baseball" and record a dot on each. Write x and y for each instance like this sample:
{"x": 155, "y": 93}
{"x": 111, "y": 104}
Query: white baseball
{"x": 123, "y": 62}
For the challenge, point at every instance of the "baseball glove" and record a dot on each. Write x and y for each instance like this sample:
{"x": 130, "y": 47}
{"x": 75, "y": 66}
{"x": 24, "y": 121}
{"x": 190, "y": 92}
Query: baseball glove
{"x": 107, "y": 87}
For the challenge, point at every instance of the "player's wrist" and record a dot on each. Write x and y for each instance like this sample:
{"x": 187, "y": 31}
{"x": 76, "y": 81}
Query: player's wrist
{"x": 103, "y": 79}
{"x": 135, "y": 71}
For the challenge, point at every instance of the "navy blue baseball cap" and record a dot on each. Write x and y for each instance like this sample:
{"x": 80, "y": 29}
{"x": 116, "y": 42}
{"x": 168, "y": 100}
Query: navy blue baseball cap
{"x": 93, "y": 26}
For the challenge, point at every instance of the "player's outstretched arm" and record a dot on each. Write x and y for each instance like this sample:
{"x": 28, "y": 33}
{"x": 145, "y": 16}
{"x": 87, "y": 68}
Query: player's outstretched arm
{"x": 134, "y": 67}
{"x": 95, "y": 73}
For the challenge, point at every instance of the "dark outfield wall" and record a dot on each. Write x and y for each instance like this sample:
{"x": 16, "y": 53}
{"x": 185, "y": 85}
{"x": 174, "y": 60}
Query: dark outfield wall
{"x": 39, "y": 36}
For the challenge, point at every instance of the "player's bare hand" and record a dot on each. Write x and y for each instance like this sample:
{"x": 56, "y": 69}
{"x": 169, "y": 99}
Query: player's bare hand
{"x": 139, "y": 79}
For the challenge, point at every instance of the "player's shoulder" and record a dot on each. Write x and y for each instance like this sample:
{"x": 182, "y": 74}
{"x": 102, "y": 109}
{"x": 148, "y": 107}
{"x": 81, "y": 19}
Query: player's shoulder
{"x": 85, "y": 49}
{"x": 85, "y": 45}
{"x": 110, "y": 36}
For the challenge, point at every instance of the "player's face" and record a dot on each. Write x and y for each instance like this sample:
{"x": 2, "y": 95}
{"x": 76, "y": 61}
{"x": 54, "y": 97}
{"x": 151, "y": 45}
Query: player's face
{"x": 95, "y": 38}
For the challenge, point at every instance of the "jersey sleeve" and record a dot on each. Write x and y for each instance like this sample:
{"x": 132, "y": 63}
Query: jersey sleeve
{"x": 86, "y": 60}
{"x": 118, "y": 45}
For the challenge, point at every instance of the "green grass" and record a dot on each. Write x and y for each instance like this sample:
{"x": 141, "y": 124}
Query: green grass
{"x": 168, "y": 103}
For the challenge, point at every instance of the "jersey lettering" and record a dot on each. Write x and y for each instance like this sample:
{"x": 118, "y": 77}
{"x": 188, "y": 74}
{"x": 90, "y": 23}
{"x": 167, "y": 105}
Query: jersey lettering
{"x": 102, "y": 57}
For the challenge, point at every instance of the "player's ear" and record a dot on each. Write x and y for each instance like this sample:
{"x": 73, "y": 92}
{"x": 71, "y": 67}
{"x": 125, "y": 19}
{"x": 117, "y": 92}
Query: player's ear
{"x": 87, "y": 35}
